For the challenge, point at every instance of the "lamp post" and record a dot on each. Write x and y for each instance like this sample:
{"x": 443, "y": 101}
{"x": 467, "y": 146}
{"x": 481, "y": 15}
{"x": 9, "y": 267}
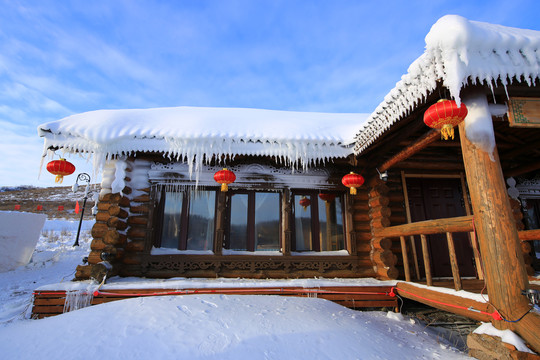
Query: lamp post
{"x": 81, "y": 177}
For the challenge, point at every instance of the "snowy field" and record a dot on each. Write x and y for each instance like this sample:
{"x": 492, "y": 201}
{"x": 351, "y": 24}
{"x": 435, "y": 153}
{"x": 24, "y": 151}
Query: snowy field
{"x": 194, "y": 326}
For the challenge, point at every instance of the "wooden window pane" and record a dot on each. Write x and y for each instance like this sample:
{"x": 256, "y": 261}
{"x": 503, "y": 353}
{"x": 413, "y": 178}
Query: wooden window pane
{"x": 238, "y": 237}
{"x": 172, "y": 216}
{"x": 202, "y": 209}
{"x": 302, "y": 224}
{"x": 331, "y": 224}
{"x": 267, "y": 221}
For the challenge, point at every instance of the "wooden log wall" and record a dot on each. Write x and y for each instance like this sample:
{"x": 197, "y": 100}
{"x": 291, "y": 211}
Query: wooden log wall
{"x": 382, "y": 257}
{"x": 139, "y": 222}
{"x": 358, "y": 208}
{"x": 108, "y": 233}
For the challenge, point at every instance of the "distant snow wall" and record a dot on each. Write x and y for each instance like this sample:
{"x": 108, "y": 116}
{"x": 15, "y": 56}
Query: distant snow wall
{"x": 19, "y": 234}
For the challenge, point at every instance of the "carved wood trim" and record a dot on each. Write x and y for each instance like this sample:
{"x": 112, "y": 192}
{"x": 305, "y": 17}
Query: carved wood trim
{"x": 185, "y": 263}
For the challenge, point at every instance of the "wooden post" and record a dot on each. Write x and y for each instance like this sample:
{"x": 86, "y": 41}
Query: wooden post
{"x": 472, "y": 235}
{"x": 405, "y": 258}
{"x": 504, "y": 269}
{"x": 427, "y": 263}
{"x": 408, "y": 213}
{"x": 453, "y": 261}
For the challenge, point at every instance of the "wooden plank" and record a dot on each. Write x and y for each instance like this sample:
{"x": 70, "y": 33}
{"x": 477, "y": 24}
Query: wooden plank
{"x": 52, "y": 303}
{"x": 364, "y": 304}
{"x": 49, "y": 302}
{"x": 427, "y": 262}
{"x": 453, "y": 262}
{"x": 524, "y": 112}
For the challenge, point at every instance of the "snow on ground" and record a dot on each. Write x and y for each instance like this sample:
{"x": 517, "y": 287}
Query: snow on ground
{"x": 194, "y": 326}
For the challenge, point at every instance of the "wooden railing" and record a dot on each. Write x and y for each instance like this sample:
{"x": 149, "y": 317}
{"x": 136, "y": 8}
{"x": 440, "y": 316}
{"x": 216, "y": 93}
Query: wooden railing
{"x": 446, "y": 226}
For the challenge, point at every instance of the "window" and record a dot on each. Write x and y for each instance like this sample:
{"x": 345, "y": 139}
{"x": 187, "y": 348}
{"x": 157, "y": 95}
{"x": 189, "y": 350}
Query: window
{"x": 188, "y": 220}
{"x": 249, "y": 221}
{"x": 318, "y": 222}
{"x": 255, "y": 221}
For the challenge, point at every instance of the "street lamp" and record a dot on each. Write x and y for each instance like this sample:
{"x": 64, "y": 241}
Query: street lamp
{"x": 81, "y": 177}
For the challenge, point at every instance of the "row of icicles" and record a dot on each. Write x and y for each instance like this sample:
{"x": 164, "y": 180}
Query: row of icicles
{"x": 443, "y": 115}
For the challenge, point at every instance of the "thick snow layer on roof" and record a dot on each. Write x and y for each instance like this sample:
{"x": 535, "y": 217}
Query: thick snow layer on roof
{"x": 457, "y": 50}
{"x": 193, "y": 133}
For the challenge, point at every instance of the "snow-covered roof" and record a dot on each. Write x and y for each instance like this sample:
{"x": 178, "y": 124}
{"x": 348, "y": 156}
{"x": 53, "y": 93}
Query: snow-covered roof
{"x": 457, "y": 51}
{"x": 194, "y": 133}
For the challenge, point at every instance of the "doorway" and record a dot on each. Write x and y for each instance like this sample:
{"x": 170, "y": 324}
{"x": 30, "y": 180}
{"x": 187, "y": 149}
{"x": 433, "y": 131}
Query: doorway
{"x": 436, "y": 198}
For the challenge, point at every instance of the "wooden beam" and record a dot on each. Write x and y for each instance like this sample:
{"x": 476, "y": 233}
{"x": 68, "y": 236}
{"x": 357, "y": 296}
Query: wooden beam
{"x": 428, "y": 227}
{"x": 431, "y": 165}
{"x": 505, "y": 272}
{"x": 524, "y": 169}
{"x": 529, "y": 235}
{"x": 398, "y": 132}
{"x": 412, "y": 149}
{"x": 441, "y": 300}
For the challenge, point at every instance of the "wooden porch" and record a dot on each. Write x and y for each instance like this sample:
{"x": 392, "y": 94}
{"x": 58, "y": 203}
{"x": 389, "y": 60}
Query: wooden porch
{"x": 53, "y": 302}
{"x": 450, "y": 226}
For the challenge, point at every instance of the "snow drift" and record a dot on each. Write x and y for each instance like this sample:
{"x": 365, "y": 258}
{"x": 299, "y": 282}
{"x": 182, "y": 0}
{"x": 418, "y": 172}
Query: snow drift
{"x": 18, "y": 237}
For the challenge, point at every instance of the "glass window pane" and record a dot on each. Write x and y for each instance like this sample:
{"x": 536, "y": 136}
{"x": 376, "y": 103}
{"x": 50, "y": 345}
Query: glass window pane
{"x": 239, "y": 216}
{"x": 171, "y": 220}
{"x": 201, "y": 220}
{"x": 267, "y": 221}
{"x": 331, "y": 224}
{"x": 302, "y": 223}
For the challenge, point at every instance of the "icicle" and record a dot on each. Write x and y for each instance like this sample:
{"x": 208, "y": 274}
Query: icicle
{"x": 81, "y": 298}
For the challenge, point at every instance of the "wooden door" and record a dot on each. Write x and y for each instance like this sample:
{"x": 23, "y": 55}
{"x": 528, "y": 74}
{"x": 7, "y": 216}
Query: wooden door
{"x": 435, "y": 199}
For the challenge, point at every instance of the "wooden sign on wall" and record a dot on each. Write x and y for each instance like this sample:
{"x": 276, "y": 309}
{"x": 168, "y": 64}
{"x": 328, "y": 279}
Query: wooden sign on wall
{"x": 524, "y": 112}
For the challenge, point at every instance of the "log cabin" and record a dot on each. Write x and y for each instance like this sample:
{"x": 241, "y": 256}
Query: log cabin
{"x": 429, "y": 208}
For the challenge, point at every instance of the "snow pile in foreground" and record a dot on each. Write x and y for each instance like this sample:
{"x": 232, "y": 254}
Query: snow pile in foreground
{"x": 222, "y": 327}
{"x": 195, "y": 326}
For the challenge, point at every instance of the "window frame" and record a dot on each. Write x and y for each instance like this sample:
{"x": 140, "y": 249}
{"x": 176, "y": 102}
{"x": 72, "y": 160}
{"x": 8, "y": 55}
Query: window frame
{"x": 313, "y": 196}
{"x": 184, "y": 218}
{"x": 251, "y": 216}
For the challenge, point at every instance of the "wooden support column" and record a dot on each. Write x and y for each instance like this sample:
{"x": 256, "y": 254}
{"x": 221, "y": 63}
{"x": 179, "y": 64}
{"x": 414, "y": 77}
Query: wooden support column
{"x": 500, "y": 249}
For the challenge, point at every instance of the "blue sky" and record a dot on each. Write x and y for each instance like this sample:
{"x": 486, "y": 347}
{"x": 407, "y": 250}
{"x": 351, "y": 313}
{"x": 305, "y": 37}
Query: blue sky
{"x": 63, "y": 57}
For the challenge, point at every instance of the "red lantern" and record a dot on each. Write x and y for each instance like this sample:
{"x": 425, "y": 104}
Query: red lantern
{"x": 224, "y": 177}
{"x": 352, "y": 181}
{"x": 60, "y": 168}
{"x": 327, "y": 197}
{"x": 445, "y": 115}
{"x": 304, "y": 202}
